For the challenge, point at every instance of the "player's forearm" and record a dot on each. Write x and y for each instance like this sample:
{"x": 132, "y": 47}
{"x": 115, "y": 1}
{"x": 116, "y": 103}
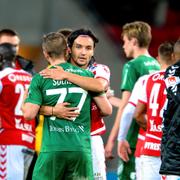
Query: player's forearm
{"x": 103, "y": 104}
{"x": 30, "y": 110}
{"x": 115, "y": 129}
{"x": 140, "y": 114}
{"x": 46, "y": 110}
{"x": 87, "y": 83}
{"x": 114, "y": 101}
{"x": 125, "y": 122}
{"x": 141, "y": 120}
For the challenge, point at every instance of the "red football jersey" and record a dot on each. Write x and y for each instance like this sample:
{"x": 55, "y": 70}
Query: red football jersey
{"x": 97, "y": 122}
{"x": 154, "y": 97}
{"x": 14, "y": 129}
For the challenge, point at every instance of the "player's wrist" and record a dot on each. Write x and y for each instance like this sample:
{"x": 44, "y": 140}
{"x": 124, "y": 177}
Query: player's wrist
{"x": 54, "y": 111}
{"x": 66, "y": 75}
{"x": 121, "y": 139}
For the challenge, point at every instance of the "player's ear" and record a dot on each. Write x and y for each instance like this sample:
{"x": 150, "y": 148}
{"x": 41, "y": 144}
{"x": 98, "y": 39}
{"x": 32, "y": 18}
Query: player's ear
{"x": 158, "y": 58}
{"x": 134, "y": 41}
{"x": 46, "y": 55}
{"x": 68, "y": 50}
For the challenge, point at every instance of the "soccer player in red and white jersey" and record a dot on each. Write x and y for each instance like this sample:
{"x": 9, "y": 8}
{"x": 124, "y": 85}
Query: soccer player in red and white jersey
{"x": 151, "y": 102}
{"x": 16, "y": 135}
{"x": 126, "y": 120}
{"x": 98, "y": 127}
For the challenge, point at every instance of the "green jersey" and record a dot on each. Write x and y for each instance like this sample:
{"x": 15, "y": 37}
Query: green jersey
{"x": 60, "y": 134}
{"x": 132, "y": 70}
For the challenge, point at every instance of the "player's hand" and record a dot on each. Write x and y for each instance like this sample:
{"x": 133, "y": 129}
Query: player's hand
{"x": 123, "y": 150}
{"x": 108, "y": 150}
{"x": 62, "y": 110}
{"x": 56, "y": 73}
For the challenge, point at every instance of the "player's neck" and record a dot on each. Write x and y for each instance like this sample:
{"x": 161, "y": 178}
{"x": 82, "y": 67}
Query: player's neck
{"x": 163, "y": 67}
{"x": 140, "y": 52}
{"x": 57, "y": 61}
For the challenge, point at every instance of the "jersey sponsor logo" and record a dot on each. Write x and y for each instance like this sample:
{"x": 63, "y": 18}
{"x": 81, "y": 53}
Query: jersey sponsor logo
{"x": 74, "y": 70}
{"x": 57, "y": 129}
{"x": 81, "y": 128}
{"x": 172, "y": 79}
{"x": 22, "y": 126}
{"x": 172, "y": 82}
{"x": 157, "y": 76}
{"x": 27, "y": 138}
{"x": 150, "y": 63}
{"x": 152, "y": 146}
{"x": 67, "y": 129}
{"x": 17, "y": 77}
{"x": 154, "y": 127}
{"x": 60, "y": 82}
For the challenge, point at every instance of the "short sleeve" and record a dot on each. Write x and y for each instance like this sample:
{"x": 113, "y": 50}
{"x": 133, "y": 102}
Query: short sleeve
{"x": 129, "y": 77}
{"x": 34, "y": 91}
{"x": 101, "y": 71}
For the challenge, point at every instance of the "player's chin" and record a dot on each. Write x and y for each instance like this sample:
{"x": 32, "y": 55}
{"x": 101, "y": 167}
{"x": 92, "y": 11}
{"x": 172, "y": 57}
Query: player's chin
{"x": 82, "y": 63}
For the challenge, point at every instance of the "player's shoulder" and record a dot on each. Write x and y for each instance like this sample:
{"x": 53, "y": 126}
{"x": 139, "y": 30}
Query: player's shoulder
{"x": 144, "y": 77}
{"x": 173, "y": 69}
{"x": 156, "y": 73}
{"x": 98, "y": 66}
{"x": 130, "y": 64}
{"x": 141, "y": 80}
{"x": 10, "y": 70}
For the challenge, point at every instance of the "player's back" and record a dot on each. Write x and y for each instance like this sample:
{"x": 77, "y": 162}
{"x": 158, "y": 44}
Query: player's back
{"x": 70, "y": 135}
{"x": 156, "y": 95}
{"x": 13, "y": 84}
{"x": 156, "y": 99}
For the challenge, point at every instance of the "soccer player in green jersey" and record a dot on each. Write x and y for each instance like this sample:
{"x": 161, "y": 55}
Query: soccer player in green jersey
{"x": 136, "y": 37}
{"x": 66, "y": 149}
{"x": 81, "y": 48}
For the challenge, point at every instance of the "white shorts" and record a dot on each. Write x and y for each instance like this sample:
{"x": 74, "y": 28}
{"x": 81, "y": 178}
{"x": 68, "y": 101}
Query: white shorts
{"x": 150, "y": 166}
{"x": 170, "y": 177}
{"x": 14, "y": 162}
{"x": 98, "y": 157}
{"x": 138, "y": 168}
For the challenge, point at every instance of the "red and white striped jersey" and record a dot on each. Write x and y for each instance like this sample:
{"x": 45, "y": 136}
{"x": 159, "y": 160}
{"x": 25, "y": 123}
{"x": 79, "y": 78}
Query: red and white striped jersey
{"x": 154, "y": 97}
{"x": 14, "y": 129}
{"x": 97, "y": 122}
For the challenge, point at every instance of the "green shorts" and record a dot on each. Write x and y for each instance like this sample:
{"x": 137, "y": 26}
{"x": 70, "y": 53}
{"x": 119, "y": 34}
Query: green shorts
{"x": 126, "y": 170}
{"x": 63, "y": 165}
